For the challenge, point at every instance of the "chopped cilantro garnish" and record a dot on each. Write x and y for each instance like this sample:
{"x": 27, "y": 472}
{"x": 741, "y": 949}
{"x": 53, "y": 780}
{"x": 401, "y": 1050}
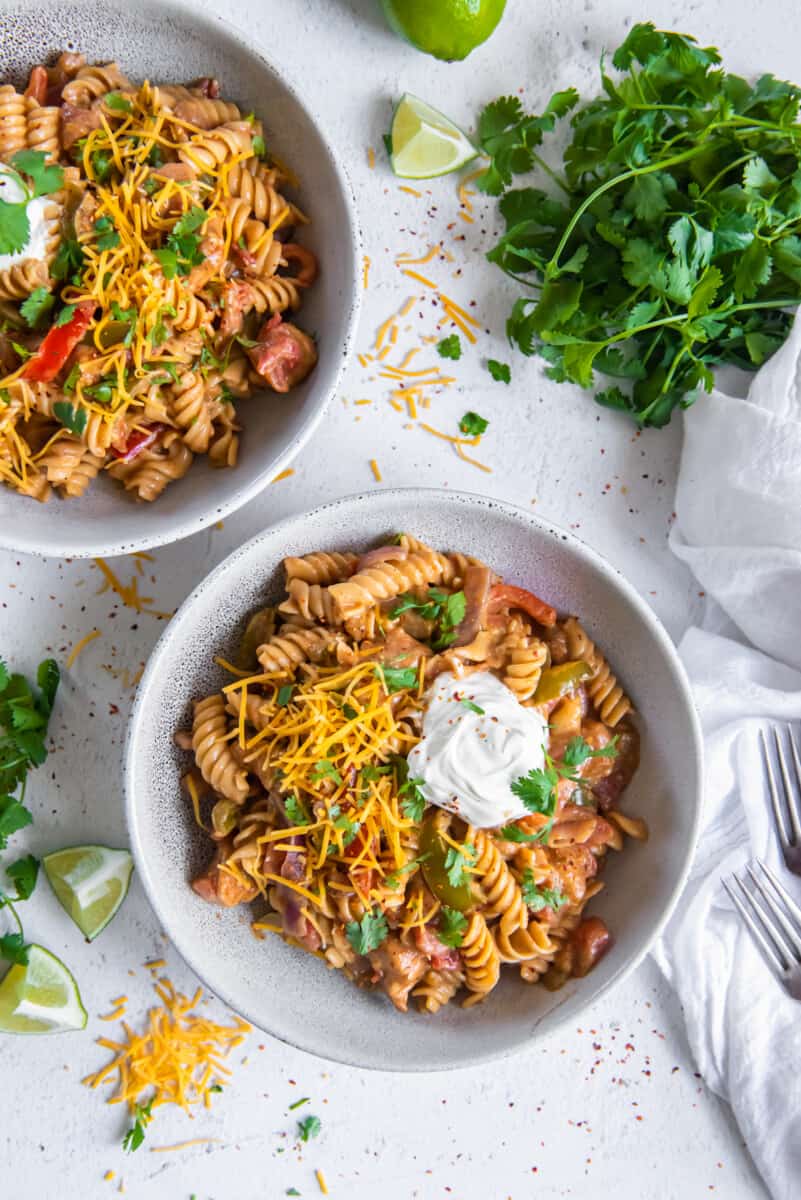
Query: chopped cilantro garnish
{"x": 309, "y": 1128}
{"x": 325, "y": 769}
{"x": 394, "y": 679}
{"x": 458, "y": 860}
{"x": 499, "y": 371}
{"x": 107, "y": 236}
{"x": 65, "y": 316}
{"x": 452, "y": 925}
{"x": 450, "y": 347}
{"x": 578, "y": 751}
{"x": 472, "y": 424}
{"x": 136, "y": 1134}
{"x": 45, "y": 178}
{"x": 117, "y": 103}
{"x": 299, "y": 1103}
{"x": 285, "y": 693}
{"x": 259, "y": 148}
{"x": 102, "y": 164}
{"x": 369, "y": 933}
{"x": 37, "y": 306}
{"x": 68, "y": 261}
{"x": 537, "y": 898}
{"x": 295, "y": 811}
{"x": 472, "y": 707}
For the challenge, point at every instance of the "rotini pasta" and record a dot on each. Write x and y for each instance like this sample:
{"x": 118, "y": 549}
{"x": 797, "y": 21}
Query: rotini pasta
{"x": 147, "y": 295}
{"x": 325, "y": 770}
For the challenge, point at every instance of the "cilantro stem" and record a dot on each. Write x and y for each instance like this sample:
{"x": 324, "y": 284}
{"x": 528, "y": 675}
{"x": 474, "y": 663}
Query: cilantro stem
{"x": 7, "y": 903}
{"x": 554, "y": 175}
{"x": 729, "y": 167}
{"x": 553, "y": 266}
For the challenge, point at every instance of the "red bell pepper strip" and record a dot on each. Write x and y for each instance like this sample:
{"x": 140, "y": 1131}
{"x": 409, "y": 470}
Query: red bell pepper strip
{"x": 58, "y": 345}
{"x": 138, "y": 440}
{"x": 517, "y": 597}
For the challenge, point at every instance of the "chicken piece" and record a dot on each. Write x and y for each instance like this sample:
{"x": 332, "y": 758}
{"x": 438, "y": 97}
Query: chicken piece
{"x": 84, "y": 219}
{"x": 238, "y": 298}
{"x": 212, "y": 247}
{"x": 218, "y": 887}
{"x": 283, "y": 355}
{"x": 76, "y": 123}
{"x": 402, "y": 650}
{"x": 398, "y": 968}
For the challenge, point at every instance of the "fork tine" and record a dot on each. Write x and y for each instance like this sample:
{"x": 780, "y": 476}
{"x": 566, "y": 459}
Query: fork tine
{"x": 794, "y": 794}
{"x": 756, "y": 933}
{"x": 790, "y": 944}
{"x": 782, "y": 893}
{"x": 778, "y": 814}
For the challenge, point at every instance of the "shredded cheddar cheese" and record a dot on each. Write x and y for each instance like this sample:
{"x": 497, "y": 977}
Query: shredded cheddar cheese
{"x": 79, "y": 646}
{"x": 284, "y": 474}
{"x": 321, "y": 1182}
{"x": 376, "y": 472}
{"x": 129, "y": 594}
{"x": 176, "y": 1060}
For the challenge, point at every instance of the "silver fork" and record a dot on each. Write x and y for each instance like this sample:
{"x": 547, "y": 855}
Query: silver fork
{"x": 785, "y": 799}
{"x": 774, "y": 923}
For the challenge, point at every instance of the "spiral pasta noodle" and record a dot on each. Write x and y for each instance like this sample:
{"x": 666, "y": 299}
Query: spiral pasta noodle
{"x": 315, "y": 807}
{"x": 154, "y": 247}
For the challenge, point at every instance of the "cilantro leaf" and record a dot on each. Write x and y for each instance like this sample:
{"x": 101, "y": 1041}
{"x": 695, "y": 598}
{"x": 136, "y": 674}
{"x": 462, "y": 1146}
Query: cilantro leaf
{"x": 117, "y": 103}
{"x": 133, "y": 1139}
{"x": 458, "y": 862}
{"x": 37, "y": 306}
{"x": 285, "y": 693}
{"x": 102, "y": 164}
{"x": 189, "y": 222}
{"x": 368, "y": 933}
{"x": 450, "y": 347}
{"x": 537, "y": 789}
{"x": 472, "y": 707}
{"x": 24, "y": 873}
{"x": 499, "y": 371}
{"x": 13, "y": 816}
{"x": 65, "y": 316}
{"x": 259, "y": 148}
{"x": 5, "y": 676}
{"x": 472, "y": 424}
{"x": 71, "y": 417}
{"x": 412, "y": 800}
{"x": 578, "y": 751}
{"x": 394, "y": 679}
{"x": 69, "y": 259}
{"x": 309, "y": 1128}
{"x": 107, "y": 236}
{"x": 15, "y": 228}
{"x": 295, "y": 811}
{"x": 513, "y": 833}
{"x": 45, "y": 178}
{"x": 169, "y": 261}
{"x": 325, "y": 769}
{"x": 537, "y": 898}
{"x": 452, "y": 926}
{"x": 14, "y": 949}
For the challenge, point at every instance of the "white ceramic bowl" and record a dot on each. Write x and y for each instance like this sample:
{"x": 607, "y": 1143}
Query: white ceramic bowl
{"x": 290, "y": 993}
{"x": 168, "y": 43}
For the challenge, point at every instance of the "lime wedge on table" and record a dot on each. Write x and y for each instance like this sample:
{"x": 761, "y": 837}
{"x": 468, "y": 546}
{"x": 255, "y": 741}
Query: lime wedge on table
{"x": 41, "y": 997}
{"x": 425, "y": 143}
{"x": 91, "y": 882}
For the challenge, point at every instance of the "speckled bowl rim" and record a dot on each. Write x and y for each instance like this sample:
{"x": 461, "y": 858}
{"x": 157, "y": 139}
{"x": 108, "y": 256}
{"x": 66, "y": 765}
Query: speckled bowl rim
{"x": 219, "y": 509}
{"x": 414, "y": 499}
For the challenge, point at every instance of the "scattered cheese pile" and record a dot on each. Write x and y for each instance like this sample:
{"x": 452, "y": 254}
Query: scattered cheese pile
{"x": 177, "y": 1060}
{"x": 129, "y": 593}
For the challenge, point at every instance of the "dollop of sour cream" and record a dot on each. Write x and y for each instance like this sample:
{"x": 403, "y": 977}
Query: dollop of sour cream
{"x": 36, "y": 246}
{"x": 468, "y": 759}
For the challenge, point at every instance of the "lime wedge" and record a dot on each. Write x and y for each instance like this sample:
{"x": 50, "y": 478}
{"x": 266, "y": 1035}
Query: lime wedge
{"x": 425, "y": 143}
{"x": 41, "y": 997}
{"x": 91, "y": 883}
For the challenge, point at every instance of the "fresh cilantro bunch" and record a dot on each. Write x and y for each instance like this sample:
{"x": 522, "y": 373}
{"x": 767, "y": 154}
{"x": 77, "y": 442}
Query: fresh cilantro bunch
{"x": 24, "y": 716}
{"x": 675, "y": 244}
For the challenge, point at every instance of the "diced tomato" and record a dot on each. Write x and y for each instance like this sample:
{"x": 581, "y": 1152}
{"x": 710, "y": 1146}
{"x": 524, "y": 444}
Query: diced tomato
{"x": 37, "y": 85}
{"x": 58, "y": 345}
{"x": 138, "y": 440}
{"x": 517, "y": 597}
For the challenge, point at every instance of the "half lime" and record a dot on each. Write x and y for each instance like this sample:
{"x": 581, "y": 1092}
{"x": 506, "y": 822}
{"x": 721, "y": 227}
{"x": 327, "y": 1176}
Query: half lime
{"x": 91, "y": 883}
{"x": 425, "y": 143}
{"x": 40, "y": 997}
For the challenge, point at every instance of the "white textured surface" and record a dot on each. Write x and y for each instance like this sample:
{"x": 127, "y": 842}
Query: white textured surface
{"x": 569, "y": 1108}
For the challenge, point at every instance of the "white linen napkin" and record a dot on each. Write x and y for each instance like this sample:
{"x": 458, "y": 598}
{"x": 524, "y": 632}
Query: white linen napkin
{"x": 738, "y": 528}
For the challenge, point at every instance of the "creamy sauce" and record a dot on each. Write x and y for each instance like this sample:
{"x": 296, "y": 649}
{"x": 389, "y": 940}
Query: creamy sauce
{"x": 469, "y": 760}
{"x": 36, "y": 245}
